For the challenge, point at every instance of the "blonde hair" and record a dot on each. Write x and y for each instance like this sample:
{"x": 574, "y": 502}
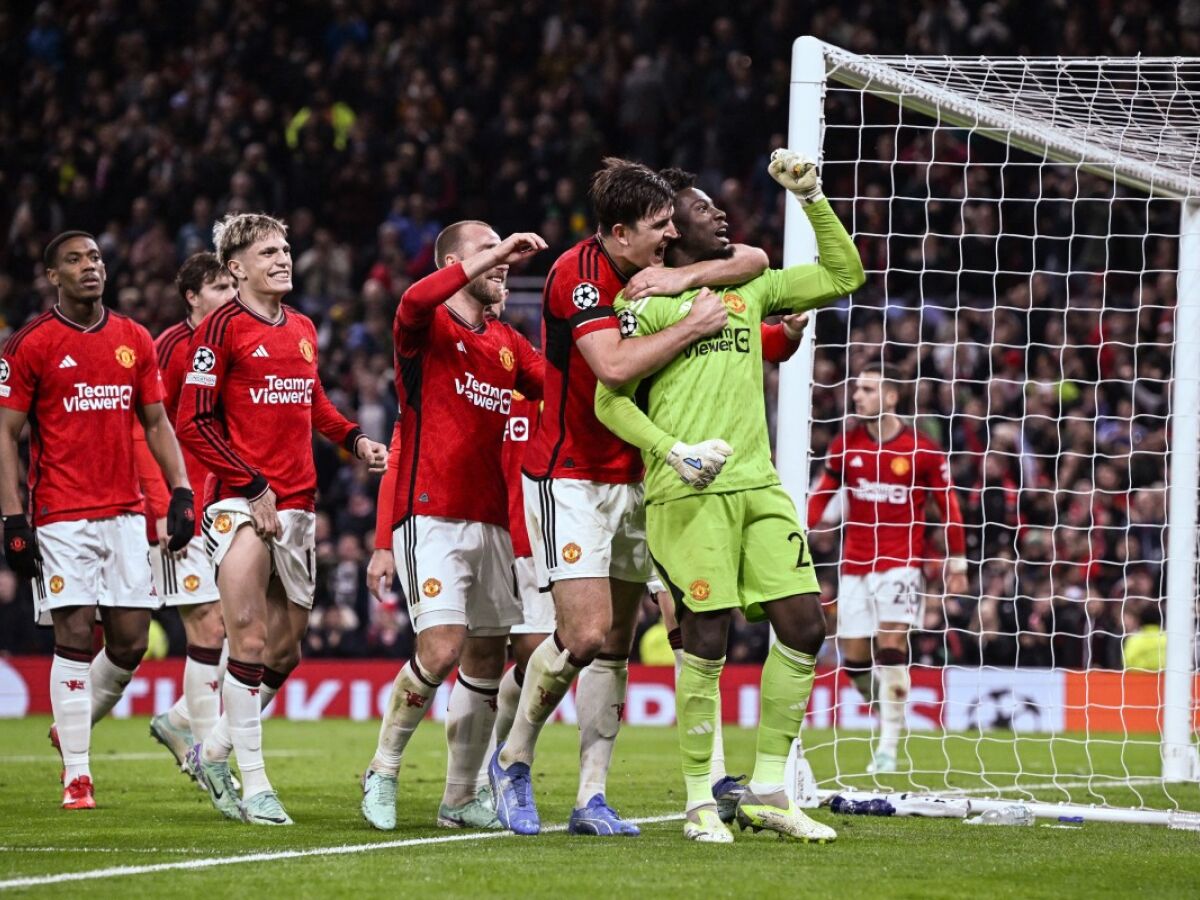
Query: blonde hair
{"x": 237, "y": 231}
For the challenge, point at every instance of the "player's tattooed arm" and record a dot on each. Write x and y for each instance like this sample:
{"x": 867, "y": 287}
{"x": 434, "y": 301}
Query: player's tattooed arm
{"x": 744, "y": 264}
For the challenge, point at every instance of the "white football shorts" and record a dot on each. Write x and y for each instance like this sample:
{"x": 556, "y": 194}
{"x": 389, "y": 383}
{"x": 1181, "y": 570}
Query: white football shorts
{"x": 94, "y": 562}
{"x": 455, "y": 572}
{"x": 293, "y": 553}
{"x": 536, "y": 604}
{"x": 895, "y": 596}
{"x": 586, "y": 529}
{"x": 184, "y": 581}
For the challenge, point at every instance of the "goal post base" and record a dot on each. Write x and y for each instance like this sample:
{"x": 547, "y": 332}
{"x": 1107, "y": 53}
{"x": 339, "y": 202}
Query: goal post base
{"x": 1072, "y": 812}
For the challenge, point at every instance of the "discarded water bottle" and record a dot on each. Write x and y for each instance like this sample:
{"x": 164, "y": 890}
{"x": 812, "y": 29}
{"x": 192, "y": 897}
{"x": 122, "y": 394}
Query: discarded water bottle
{"x": 1014, "y": 814}
{"x": 874, "y": 807}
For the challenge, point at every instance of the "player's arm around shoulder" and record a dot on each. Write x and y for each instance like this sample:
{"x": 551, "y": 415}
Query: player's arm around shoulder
{"x": 743, "y": 264}
{"x": 627, "y": 353}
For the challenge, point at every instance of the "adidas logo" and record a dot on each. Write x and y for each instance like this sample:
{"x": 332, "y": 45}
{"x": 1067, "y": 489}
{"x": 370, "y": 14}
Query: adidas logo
{"x": 260, "y": 352}
{"x": 462, "y": 348}
{"x": 702, "y": 728}
{"x": 67, "y": 363}
{"x": 856, "y": 462}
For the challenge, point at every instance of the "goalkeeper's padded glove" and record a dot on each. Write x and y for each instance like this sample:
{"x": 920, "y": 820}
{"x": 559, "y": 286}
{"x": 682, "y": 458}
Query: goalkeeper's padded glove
{"x": 181, "y": 519}
{"x": 797, "y": 173}
{"x": 21, "y": 547}
{"x": 699, "y": 464}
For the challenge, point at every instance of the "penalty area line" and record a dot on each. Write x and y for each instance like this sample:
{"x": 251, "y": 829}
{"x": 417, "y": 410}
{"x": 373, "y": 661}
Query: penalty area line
{"x": 340, "y": 850}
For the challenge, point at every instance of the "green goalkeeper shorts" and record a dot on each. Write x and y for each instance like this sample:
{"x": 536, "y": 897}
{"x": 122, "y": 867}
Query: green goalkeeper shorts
{"x": 731, "y": 551}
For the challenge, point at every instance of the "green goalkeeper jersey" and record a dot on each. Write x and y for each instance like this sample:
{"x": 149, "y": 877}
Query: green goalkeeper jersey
{"x": 714, "y": 389}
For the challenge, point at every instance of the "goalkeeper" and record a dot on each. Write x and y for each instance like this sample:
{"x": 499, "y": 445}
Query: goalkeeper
{"x": 700, "y": 422}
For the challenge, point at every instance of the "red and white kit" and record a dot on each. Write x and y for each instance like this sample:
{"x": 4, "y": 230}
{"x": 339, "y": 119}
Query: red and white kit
{"x": 536, "y": 604}
{"x": 190, "y": 579}
{"x": 456, "y": 384}
{"x": 883, "y": 546}
{"x": 250, "y": 400}
{"x": 583, "y": 484}
{"x": 81, "y": 388}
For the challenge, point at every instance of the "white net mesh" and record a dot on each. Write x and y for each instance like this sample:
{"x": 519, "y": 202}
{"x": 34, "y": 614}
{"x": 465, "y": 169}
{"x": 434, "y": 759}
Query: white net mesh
{"x": 1027, "y": 306}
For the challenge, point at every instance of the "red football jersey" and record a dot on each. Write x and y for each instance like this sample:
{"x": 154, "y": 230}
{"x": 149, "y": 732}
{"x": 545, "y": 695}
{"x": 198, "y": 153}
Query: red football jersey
{"x": 455, "y": 382}
{"x": 251, "y": 397}
{"x": 81, "y": 388}
{"x": 887, "y": 486}
{"x": 522, "y": 423}
{"x": 174, "y": 362}
{"x": 571, "y": 443}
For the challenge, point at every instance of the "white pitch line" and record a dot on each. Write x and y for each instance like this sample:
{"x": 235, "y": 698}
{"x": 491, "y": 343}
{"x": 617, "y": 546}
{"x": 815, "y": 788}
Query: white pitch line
{"x": 130, "y": 757}
{"x": 69, "y": 850}
{"x": 342, "y": 850}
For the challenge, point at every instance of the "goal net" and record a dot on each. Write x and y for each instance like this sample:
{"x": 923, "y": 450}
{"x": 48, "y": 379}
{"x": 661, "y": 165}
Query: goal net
{"x": 1031, "y": 286}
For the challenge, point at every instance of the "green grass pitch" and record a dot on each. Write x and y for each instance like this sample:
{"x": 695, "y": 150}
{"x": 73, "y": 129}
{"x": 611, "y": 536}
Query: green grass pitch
{"x": 150, "y": 815}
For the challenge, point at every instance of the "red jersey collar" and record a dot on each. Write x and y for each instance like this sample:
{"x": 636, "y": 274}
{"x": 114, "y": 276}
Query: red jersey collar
{"x": 90, "y": 329}
{"x": 624, "y": 279}
{"x": 274, "y": 324}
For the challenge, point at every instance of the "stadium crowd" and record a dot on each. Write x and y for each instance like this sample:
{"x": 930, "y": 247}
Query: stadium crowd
{"x": 371, "y": 125}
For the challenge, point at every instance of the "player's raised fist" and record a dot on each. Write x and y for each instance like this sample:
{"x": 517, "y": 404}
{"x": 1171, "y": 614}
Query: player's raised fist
{"x": 519, "y": 246}
{"x": 707, "y": 315}
{"x": 797, "y": 173}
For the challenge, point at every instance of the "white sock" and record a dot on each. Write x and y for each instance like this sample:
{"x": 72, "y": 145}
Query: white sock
{"x": 201, "y": 700}
{"x": 108, "y": 682}
{"x": 71, "y": 702}
{"x": 218, "y": 745}
{"x": 548, "y": 677}
{"x": 411, "y": 692}
{"x": 243, "y": 716}
{"x": 599, "y": 702}
{"x": 894, "y": 686}
{"x": 506, "y": 710}
{"x": 469, "y": 722}
{"x": 269, "y": 691}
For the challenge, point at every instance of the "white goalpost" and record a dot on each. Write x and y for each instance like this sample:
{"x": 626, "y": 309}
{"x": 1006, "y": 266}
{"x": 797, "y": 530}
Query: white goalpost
{"x": 1031, "y": 233}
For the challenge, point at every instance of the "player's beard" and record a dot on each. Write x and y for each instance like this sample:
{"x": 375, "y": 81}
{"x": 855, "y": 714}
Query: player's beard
{"x": 485, "y": 292}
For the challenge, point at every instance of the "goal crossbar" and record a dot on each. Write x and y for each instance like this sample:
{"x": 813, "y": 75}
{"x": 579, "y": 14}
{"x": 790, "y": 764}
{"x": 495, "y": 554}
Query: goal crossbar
{"x": 1162, "y": 161}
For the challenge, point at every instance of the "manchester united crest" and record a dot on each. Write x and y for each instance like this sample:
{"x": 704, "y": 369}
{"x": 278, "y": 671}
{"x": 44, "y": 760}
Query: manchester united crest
{"x": 191, "y": 583}
{"x": 571, "y": 553}
{"x": 431, "y": 588}
{"x": 223, "y": 523}
{"x": 507, "y": 359}
{"x": 306, "y": 350}
{"x": 900, "y": 466}
{"x": 126, "y": 357}
{"x": 57, "y": 584}
{"x": 700, "y": 590}
{"x": 734, "y": 303}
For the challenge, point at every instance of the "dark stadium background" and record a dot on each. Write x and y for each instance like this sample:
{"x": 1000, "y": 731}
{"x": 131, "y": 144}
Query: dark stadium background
{"x": 370, "y": 125}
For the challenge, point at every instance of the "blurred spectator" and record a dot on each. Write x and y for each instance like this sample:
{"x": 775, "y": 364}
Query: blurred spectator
{"x": 1049, "y": 389}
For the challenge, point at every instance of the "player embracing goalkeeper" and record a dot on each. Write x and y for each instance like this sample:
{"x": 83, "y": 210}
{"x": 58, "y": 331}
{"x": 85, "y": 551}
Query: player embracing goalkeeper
{"x": 729, "y": 537}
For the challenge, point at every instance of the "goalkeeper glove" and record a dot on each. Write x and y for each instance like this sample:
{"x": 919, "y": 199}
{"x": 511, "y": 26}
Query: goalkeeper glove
{"x": 181, "y": 519}
{"x": 699, "y": 464}
{"x": 797, "y": 173}
{"x": 21, "y": 547}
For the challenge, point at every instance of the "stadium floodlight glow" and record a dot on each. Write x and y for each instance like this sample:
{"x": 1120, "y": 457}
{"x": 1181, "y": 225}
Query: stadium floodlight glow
{"x": 1005, "y": 191}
